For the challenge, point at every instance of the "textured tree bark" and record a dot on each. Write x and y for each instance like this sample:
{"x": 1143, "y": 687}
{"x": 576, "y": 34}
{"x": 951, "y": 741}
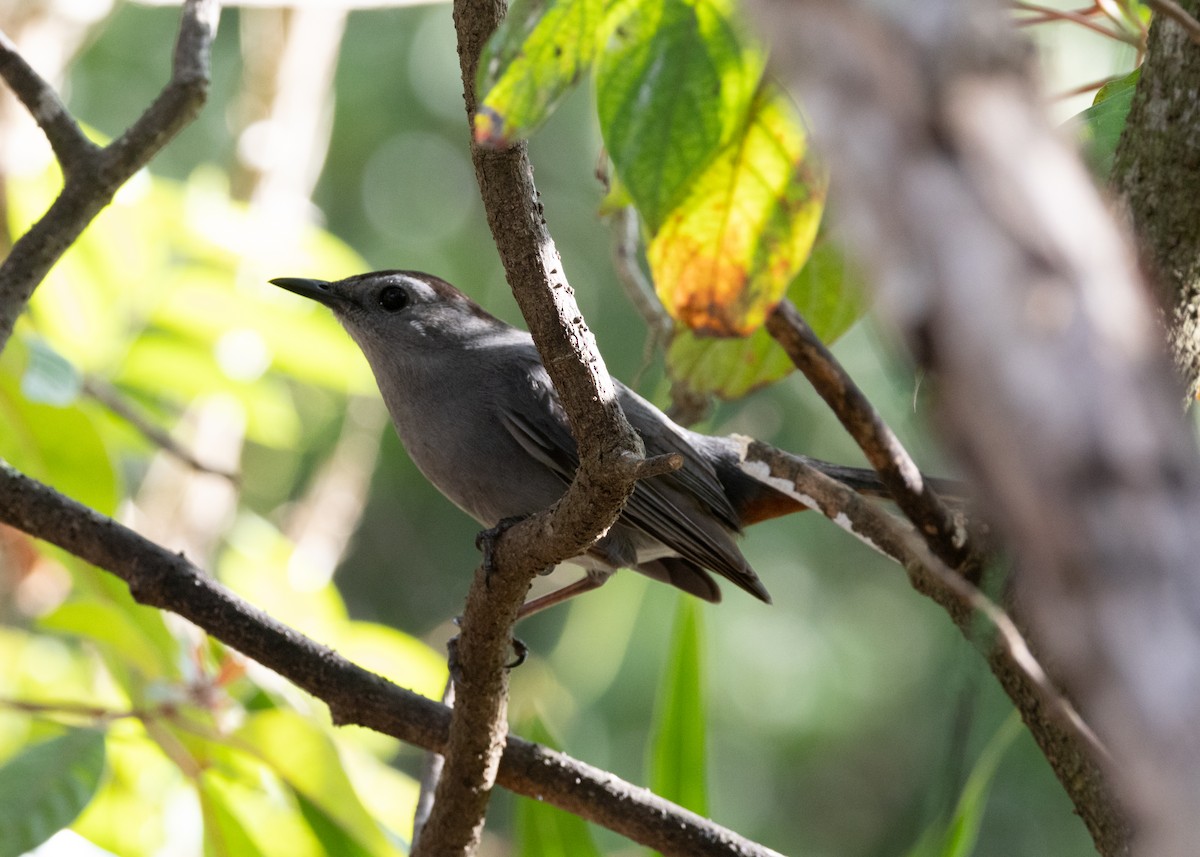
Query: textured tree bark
{"x": 1157, "y": 175}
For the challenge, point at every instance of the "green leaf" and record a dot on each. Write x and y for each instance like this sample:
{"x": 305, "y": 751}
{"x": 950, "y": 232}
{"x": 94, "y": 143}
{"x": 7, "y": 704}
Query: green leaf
{"x": 547, "y": 831}
{"x": 828, "y": 294}
{"x": 46, "y": 787}
{"x": 305, "y": 758}
{"x": 968, "y": 814}
{"x": 531, "y": 62}
{"x": 224, "y": 833}
{"x": 139, "y": 783}
{"x": 59, "y": 445}
{"x": 1100, "y": 126}
{"x": 332, "y": 835}
{"x": 253, "y": 809}
{"x": 678, "y": 751}
{"x": 725, "y": 255}
{"x": 962, "y": 831}
{"x": 729, "y": 368}
{"x": 127, "y": 632}
{"x": 49, "y": 378}
{"x": 673, "y": 86}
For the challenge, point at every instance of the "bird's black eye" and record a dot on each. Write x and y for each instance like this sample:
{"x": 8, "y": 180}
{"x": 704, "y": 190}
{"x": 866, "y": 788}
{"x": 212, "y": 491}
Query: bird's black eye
{"x": 393, "y": 299}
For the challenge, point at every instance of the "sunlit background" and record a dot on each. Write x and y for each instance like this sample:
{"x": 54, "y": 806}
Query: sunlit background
{"x": 845, "y": 719}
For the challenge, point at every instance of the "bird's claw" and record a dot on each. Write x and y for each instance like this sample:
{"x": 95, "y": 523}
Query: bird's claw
{"x": 452, "y": 662}
{"x": 485, "y": 543}
{"x": 520, "y": 653}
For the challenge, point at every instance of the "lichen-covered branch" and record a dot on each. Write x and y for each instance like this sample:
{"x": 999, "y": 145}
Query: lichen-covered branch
{"x": 945, "y": 534}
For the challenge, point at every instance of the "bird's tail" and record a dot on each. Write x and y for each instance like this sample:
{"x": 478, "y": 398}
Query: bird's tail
{"x": 866, "y": 481}
{"x": 755, "y": 500}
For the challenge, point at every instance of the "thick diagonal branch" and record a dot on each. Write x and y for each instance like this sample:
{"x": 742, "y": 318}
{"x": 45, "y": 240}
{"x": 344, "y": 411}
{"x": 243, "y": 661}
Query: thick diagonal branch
{"x": 159, "y": 578}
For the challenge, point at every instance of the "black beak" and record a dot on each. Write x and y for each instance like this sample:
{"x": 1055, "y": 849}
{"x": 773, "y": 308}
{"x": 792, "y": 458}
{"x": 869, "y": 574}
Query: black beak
{"x": 318, "y": 290}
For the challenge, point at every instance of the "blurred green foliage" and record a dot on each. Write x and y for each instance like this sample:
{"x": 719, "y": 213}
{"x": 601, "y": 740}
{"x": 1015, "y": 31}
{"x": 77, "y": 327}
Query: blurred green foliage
{"x": 1100, "y": 126}
{"x": 678, "y": 741}
{"x": 849, "y": 718}
{"x": 164, "y": 299}
{"x": 958, "y": 836}
{"x": 547, "y": 831}
{"x": 45, "y": 787}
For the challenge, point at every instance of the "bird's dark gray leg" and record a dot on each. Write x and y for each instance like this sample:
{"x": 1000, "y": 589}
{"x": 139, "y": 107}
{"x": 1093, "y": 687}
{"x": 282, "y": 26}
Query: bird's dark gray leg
{"x": 485, "y": 543}
{"x": 520, "y": 655}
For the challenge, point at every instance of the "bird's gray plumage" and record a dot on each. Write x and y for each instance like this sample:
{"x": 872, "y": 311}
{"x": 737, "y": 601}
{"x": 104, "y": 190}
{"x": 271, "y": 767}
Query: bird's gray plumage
{"x": 477, "y": 413}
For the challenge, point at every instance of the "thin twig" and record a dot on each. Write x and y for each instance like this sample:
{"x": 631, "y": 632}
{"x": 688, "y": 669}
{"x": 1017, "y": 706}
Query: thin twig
{"x": 1048, "y": 13}
{"x": 431, "y": 773}
{"x": 1087, "y": 87}
{"x": 159, "y": 578}
{"x": 947, "y": 536}
{"x": 625, "y": 230}
{"x": 1017, "y": 651}
{"x": 71, "y": 709}
{"x": 106, "y": 395}
{"x": 893, "y": 537}
{"x": 1179, "y": 15}
{"x": 687, "y": 406}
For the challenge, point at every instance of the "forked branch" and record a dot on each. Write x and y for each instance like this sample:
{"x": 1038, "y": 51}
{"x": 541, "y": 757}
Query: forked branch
{"x": 92, "y": 174}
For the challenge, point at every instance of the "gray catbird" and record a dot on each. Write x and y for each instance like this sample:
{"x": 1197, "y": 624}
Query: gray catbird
{"x": 477, "y": 413}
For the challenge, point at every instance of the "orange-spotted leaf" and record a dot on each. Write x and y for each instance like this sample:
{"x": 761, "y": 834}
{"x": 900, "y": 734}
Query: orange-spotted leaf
{"x": 828, "y": 295}
{"x": 725, "y": 256}
{"x": 531, "y": 62}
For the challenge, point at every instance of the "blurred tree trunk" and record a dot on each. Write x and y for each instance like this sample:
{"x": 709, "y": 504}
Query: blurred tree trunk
{"x": 1157, "y": 175}
{"x": 991, "y": 251}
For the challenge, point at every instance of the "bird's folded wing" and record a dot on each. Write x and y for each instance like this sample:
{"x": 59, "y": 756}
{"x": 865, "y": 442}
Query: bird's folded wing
{"x": 686, "y": 510}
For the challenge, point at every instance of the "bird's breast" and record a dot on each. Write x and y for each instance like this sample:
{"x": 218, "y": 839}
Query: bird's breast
{"x": 459, "y": 443}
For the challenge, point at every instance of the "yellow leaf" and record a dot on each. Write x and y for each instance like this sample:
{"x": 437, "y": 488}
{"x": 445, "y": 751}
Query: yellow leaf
{"x": 723, "y": 258}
